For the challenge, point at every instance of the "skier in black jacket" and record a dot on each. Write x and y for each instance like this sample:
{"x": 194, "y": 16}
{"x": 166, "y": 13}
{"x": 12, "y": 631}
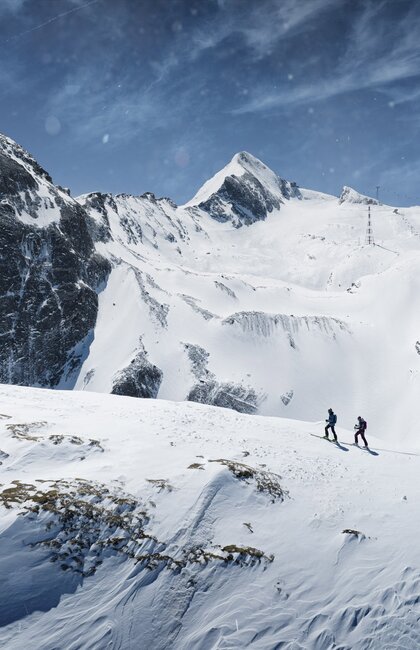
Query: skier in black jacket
{"x": 360, "y": 426}
{"x": 332, "y": 421}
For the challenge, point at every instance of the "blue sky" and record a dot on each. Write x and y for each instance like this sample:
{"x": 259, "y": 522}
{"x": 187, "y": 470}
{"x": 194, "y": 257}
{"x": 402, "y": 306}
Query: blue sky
{"x": 157, "y": 95}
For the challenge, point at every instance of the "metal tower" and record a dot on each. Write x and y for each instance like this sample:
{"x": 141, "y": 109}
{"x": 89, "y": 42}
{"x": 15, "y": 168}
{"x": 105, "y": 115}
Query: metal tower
{"x": 369, "y": 230}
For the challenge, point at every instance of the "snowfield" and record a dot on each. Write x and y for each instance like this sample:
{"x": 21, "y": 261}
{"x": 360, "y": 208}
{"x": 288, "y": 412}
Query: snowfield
{"x": 130, "y": 523}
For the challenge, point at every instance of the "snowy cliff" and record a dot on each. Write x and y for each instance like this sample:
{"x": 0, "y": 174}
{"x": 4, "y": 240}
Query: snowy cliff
{"x": 50, "y": 275}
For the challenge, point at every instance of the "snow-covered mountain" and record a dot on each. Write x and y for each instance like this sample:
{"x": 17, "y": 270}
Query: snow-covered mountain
{"x": 167, "y": 524}
{"x": 256, "y": 294}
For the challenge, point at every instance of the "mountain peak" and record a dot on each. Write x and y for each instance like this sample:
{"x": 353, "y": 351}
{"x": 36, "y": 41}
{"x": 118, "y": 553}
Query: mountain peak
{"x": 243, "y": 192}
{"x": 246, "y": 158}
{"x": 18, "y": 154}
{"x": 254, "y": 166}
{"x": 349, "y": 195}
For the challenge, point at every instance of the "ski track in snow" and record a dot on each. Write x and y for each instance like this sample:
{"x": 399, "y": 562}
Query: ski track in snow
{"x": 323, "y": 589}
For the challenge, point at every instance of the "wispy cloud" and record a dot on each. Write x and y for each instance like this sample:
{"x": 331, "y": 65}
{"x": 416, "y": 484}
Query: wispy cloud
{"x": 91, "y": 110}
{"x": 258, "y": 29}
{"x": 11, "y": 6}
{"x": 261, "y": 25}
{"x": 93, "y": 101}
{"x": 374, "y": 58}
{"x": 16, "y": 6}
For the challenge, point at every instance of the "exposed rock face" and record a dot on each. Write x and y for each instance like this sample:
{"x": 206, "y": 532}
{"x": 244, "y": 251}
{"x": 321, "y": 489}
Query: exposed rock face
{"x": 140, "y": 379}
{"x": 49, "y": 275}
{"x": 198, "y": 357}
{"x": 229, "y": 395}
{"x": 138, "y": 220}
{"x": 266, "y": 325}
{"x": 287, "y": 397}
{"x": 208, "y": 390}
{"x": 248, "y": 198}
{"x": 247, "y": 192}
{"x": 226, "y": 289}
{"x": 97, "y": 203}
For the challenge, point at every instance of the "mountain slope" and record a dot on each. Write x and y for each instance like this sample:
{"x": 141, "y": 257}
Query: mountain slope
{"x": 178, "y": 525}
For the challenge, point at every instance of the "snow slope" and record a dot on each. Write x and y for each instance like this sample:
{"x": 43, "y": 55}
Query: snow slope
{"x": 129, "y": 523}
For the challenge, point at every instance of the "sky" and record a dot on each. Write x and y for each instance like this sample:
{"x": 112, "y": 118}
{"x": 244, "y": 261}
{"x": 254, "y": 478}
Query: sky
{"x": 158, "y": 95}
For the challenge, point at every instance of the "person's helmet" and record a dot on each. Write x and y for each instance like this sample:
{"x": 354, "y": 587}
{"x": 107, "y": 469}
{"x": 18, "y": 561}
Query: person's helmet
{"x": 330, "y": 410}
{"x": 359, "y": 417}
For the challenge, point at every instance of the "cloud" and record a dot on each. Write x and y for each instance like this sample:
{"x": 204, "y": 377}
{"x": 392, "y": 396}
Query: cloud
{"x": 260, "y": 26}
{"x": 398, "y": 96}
{"x": 89, "y": 107}
{"x": 11, "y": 6}
{"x": 90, "y": 102}
{"x": 51, "y": 19}
{"x": 161, "y": 87}
{"x": 257, "y": 30}
{"x": 375, "y": 58}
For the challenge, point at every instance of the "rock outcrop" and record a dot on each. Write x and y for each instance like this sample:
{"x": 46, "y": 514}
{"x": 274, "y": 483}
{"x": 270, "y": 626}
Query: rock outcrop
{"x": 50, "y": 275}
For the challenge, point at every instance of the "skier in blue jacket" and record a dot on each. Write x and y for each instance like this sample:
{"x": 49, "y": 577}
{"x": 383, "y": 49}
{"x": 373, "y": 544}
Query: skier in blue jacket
{"x": 331, "y": 422}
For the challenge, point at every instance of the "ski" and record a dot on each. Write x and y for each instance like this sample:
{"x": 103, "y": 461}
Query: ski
{"x": 362, "y": 448}
{"x": 336, "y": 442}
{"x": 322, "y": 437}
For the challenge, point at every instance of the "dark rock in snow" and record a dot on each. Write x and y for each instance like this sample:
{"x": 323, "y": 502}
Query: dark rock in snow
{"x": 225, "y": 288}
{"x": 245, "y": 199}
{"x": 97, "y": 203}
{"x": 225, "y": 394}
{"x": 287, "y": 397}
{"x": 198, "y": 357}
{"x": 140, "y": 379}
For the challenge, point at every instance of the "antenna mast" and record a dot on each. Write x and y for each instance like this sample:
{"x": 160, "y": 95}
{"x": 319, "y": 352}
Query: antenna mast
{"x": 369, "y": 240}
